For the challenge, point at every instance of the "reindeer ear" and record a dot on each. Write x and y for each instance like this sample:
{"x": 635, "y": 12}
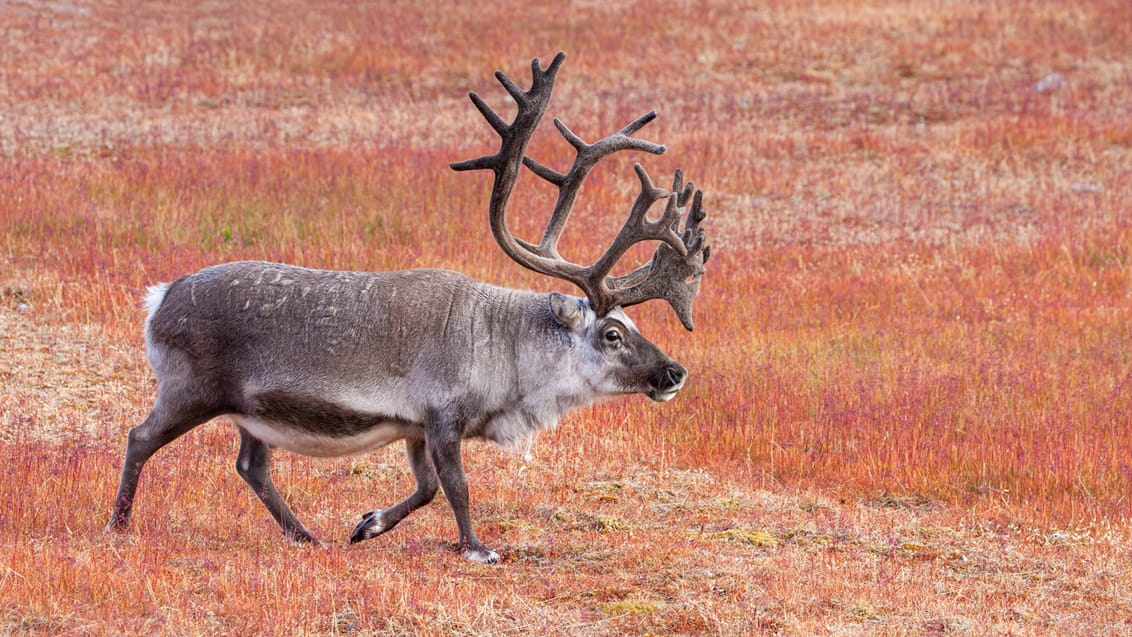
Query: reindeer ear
{"x": 566, "y": 311}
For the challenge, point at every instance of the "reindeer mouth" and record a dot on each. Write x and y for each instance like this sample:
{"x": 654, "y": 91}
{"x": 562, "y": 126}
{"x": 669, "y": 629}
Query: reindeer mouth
{"x": 667, "y": 381}
{"x": 666, "y": 394}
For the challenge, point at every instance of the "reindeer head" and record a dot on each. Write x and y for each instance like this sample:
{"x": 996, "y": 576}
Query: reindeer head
{"x": 612, "y": 355}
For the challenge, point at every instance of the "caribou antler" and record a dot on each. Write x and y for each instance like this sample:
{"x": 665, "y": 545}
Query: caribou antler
{"x": 673, "y": 273}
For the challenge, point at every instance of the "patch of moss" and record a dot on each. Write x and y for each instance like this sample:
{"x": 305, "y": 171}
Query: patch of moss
{"x": 751, "y": 536}
{"x": 610, "y": 523}
{"x": 629, "y": 607}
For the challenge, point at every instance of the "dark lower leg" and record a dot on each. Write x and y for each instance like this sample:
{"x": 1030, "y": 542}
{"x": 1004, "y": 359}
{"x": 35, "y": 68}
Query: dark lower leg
{"x": 444, "y": 449}
{"x": 254, "y": 466}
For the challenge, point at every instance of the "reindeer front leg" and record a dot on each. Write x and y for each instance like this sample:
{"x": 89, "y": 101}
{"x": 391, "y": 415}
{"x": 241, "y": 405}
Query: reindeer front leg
{"x": 379, "y": 521}
{"x": 443, "y": 440}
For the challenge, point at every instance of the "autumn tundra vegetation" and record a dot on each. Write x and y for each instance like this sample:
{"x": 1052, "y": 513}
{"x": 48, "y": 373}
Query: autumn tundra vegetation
{"x": 907, "y": 408}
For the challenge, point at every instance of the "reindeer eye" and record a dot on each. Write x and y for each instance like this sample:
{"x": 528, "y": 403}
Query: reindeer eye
{"x": 612, "y": 336}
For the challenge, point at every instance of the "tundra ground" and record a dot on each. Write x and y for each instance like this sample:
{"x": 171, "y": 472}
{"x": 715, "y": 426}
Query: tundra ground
{"x": 909, "y": 402}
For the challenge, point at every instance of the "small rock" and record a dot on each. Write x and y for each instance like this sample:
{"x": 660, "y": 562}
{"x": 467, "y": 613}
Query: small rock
{"x": 1050, "y": 83}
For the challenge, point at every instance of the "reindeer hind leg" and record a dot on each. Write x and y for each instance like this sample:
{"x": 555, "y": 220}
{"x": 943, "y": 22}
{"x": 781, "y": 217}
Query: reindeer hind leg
{"x": 254, "y": 466}
{"x": 167, "y": 421}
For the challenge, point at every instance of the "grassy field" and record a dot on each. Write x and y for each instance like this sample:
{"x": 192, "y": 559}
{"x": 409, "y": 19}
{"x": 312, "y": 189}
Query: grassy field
{"x": 910, "y": 403}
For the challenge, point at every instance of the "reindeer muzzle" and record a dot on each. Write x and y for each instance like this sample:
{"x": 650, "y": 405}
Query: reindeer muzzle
{"x": 666, "y": 381}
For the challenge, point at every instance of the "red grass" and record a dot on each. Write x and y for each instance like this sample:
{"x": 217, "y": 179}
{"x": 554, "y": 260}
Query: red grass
{"x": 911, "y": 370}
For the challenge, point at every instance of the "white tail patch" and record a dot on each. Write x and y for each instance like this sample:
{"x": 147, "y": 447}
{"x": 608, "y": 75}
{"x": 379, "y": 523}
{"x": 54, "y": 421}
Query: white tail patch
{"x": 153, "y": 298}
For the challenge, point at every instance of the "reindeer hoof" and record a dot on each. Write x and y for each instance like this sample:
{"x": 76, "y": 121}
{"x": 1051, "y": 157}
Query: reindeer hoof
{"x": 306, "y": 539}
{"x": 373, "y": 524}
{"x": 117, "y": 524}
{"x": 481, "y": 555}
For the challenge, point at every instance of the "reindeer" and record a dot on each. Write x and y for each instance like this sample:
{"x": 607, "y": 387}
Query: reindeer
{"x": 328, "y": 363}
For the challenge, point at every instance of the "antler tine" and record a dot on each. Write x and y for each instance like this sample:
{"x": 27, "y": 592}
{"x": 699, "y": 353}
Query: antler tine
{"x": 491, "y": 116}
{"x": 685, "y": 191}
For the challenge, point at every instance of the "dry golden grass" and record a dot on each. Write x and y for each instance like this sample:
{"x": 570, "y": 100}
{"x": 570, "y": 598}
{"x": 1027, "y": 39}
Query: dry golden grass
{"x": 909, "y": 409}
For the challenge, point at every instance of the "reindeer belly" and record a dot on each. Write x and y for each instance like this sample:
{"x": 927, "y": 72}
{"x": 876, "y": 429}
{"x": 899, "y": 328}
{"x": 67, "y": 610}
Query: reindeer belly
{"x": 296, "y": 440}
{"x": 316, "y": 427}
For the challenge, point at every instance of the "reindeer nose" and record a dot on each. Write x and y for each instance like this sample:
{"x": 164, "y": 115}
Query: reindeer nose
{"x": 674, "y": 375}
